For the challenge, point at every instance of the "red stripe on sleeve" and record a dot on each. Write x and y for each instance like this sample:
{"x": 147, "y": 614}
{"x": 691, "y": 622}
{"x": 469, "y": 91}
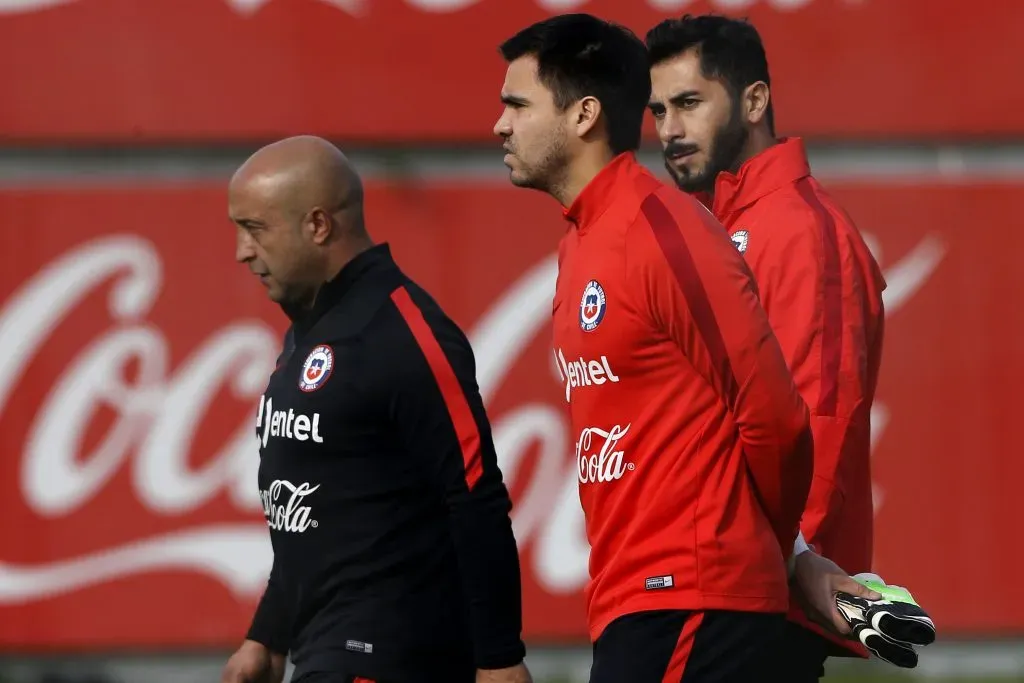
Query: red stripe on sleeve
{"x": 680, "y": 260}
{"x": 454, "y": 398}
{"x": 832, "y": 305}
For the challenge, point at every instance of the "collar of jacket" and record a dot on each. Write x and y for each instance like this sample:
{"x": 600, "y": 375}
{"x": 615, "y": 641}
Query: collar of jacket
{"x": 601, "y": 192}
{"x": 334, "y": 289}
{"x": 780, "y": 165}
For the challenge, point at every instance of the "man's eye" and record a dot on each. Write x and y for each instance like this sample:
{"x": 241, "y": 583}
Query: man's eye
{"x": 690, "y": 103}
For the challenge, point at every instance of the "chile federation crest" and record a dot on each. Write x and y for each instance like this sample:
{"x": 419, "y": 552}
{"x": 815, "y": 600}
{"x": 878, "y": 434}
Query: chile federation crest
{"x": 317, "y": 368}
{"x": 592, "y": 306}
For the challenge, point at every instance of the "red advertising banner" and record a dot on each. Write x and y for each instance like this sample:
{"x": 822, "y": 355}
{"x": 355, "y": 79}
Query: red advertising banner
{"x": 428, "y": 70}
{"x": 133, "y": 351}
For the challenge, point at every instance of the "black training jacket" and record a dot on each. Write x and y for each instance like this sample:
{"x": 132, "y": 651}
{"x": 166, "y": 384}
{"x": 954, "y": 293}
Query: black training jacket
{"x": 394, "y": 557}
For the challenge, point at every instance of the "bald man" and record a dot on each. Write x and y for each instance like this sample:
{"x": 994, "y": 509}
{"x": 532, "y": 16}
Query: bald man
{"x": 394, "y": 559}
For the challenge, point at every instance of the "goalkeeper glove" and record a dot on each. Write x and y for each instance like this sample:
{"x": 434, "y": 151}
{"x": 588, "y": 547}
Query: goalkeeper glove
{"x": 889, "y": 627}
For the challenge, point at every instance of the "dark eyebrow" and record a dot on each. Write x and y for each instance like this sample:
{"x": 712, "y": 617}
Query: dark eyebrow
{"x": 678, "y": 98}
{"x": 514, "y": 100}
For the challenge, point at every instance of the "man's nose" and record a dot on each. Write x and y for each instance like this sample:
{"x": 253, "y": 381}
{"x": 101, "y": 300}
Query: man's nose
{"x": 503, "y": 127}
{"x": 671, "y": 129}
{"x": 244, "y": 249}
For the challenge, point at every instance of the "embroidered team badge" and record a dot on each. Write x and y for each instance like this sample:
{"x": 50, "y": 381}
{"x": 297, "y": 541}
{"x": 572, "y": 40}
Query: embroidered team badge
{"x": 317, "y": 368}
{"x": 592, "y": 306}
{"x": 740, "y": 239}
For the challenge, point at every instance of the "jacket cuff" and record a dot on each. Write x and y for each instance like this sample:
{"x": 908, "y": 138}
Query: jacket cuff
{"x": 267, "y": 628}
{"x": 502, "y": 659}
{"x": 799, "y": 548}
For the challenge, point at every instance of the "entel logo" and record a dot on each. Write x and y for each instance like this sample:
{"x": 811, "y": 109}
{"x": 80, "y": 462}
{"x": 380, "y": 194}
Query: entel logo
{"x": 286, "y": 424}
{"x": 583, "y": 373}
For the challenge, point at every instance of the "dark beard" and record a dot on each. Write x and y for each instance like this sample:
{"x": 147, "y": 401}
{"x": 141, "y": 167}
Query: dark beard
{"x": 548, "y": 174}
{"x": 724, "y": 155}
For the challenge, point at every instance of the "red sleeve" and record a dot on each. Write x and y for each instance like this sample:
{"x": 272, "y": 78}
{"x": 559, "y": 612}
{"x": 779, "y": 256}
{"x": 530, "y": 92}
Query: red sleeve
{"x": 702, "y": 294}
{"x": 824, "y": 335}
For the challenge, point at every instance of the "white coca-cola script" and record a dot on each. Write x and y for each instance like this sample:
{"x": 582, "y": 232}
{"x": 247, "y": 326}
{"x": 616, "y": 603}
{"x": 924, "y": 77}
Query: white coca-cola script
{"x": 288, "y": 513}
{"x": 597, "y": 460}
{"x": 158, "y": 411}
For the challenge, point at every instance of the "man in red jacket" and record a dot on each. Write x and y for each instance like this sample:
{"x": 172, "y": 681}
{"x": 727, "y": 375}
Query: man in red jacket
{"x": 818, "y": 282}
{"x": 693, "y": 447}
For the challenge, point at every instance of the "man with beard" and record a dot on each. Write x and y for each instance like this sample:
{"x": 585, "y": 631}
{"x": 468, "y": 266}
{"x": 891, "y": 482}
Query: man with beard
{"x": 692, "y": 442}
{"x": 818, "y": 282}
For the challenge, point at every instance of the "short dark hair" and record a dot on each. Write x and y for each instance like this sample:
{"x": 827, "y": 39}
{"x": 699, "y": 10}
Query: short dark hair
{"x": 579, "y": 55}
{"x": 730, "y": 50}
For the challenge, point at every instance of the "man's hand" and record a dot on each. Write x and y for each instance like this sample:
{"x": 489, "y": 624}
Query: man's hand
{"x": 816, "y": 581}
{"x": 254, "y": 663}
{"x": 514, "y": 674}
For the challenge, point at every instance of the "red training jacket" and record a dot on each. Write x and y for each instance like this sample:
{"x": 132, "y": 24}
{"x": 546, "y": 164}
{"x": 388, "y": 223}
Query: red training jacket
{"x": 692, "y": 442}
{"x": 822, "y": 290}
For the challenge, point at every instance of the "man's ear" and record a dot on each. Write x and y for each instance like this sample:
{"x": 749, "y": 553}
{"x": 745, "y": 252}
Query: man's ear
{"x": 755, "y": 102}
{"x": 319, "y": 224}
{"x": 586, "y": 113}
